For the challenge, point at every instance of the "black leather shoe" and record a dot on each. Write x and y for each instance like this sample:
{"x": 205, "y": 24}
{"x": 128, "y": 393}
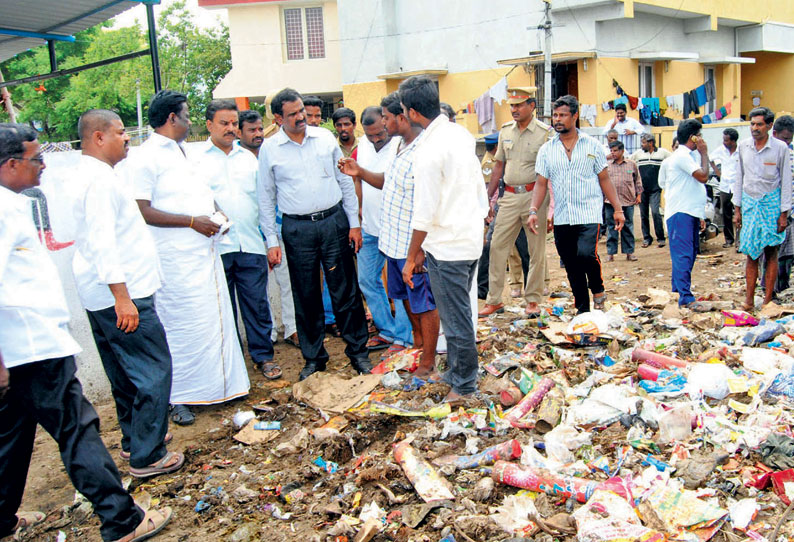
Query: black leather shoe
{"x": 362, "y": 366}
{"x": 332, "y": 330}
{"x": 310, "y": 368}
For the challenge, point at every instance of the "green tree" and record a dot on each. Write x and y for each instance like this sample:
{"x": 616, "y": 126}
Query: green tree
{"x": 193, "y": 61}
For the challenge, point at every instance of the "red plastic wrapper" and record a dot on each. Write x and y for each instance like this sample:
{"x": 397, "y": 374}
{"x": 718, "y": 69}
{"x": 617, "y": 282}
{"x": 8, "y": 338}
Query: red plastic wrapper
{"x": 529, "y": 402}
{"x": 779, "y": 480}
{"x": 649, "y": 372}
{"x": 641, "y": 355}
{"x": 510, "y": 449}
{"x": 550, "y": 483}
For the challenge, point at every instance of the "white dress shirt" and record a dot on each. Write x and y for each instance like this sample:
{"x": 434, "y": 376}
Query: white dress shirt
{"x": 302, "y": 179}
{"x": 233, "y": 178}
{"x": 628, "y": 123}
{"x": 162, "y": 174}
{"x": 728, "y": 164}
{"x": 375, "y": 161}
{"x": 33, "y": 311}
{"x": 112, "y": 241}
{"x": 450, "y": 202}
{"x": 682, "y": 192}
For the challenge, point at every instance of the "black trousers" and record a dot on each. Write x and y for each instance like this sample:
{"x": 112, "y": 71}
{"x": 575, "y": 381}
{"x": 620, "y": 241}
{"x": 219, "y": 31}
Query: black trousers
{"x": 485, "y": 259}
{"x": 138, "y": 365}
{"x": 48, "y": 393}
{"x": 650, "y": 206}
{"x": 324, "y": 243}
{"x": 246, "y": 276}
{"x": 578, "y": 248}
{"x": 727, "y": 216}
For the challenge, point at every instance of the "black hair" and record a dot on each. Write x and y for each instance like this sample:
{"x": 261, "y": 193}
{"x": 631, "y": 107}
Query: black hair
{"x": 567, "y": 100}
{"x": 163, "y": 104}
{"x": 447, "y": 110}
{"x": 392, "y": 103}
{"x": 420, "y": 94}
{"x": 687, "y": 129}
{"x": 769, "y": 116}
{"x": 371, "y": 115}
{"x": 782, "y": 124}
{"x": 313, "y": 101}
{"x": 286, "y": 95}
{"x": 343, "y": 113}
{"x": 249, "y": 115}
{"x": 95, "y": 120}
{"x": 621, "y": 106}
{"x": 617, "y": 144}
{"x": 733, "y": 134}
{"x": 12, "y": 137}
{"x": 219, "y": 105}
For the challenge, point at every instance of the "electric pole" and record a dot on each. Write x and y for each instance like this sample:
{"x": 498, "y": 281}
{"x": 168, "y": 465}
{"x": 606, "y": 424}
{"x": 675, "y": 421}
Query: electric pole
{"x": 547, "y": 62}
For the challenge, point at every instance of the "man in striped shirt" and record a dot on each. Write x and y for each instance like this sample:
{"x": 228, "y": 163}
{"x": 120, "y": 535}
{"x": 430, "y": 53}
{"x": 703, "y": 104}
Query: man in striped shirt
{"x": 576, "y": 165}
{"x": 649, "y": 160}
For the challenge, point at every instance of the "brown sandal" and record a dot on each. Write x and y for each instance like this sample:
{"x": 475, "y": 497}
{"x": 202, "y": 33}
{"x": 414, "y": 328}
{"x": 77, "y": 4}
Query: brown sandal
{"x": 160, "y": 467}
{"x": 599, "y": 300}
{"x": 153, "y": 522}
{"x": 126, "y": 455}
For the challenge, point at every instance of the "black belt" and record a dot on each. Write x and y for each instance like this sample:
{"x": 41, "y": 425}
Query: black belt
{"x": 319, "y": 215}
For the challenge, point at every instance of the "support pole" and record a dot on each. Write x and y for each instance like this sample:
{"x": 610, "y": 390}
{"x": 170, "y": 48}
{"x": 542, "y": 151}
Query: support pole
{"x": 53, "y": 59}
{"x": 158, "y": 85}
{"x": 6, "y": 97}
{"x": 547, "y": 62}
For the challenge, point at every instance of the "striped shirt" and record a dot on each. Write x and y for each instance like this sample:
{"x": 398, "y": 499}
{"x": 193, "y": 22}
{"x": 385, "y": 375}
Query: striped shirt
{"x": 626, "y": 178}
{"x": 397, "y": 202}
{"x": 578, "y": 198}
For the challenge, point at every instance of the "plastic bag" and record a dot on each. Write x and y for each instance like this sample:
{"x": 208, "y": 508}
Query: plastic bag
{"x": 675, "y": 424}
{"x": 607, "y": 517}
{"x": 765, "y": 331}
{"x": 709, "y": 378}
{"x": 591, "y": 323}
{"x": 514, "y": 513}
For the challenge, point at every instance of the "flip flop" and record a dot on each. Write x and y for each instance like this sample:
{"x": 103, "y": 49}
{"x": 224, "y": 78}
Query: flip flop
{"x": 293, "y": 342}
{"x": 126, "y": 455}
{"x": 182, "y": 415}
{"x": 270, "y": 370}
{"x": 599, "y": 300}
{"x": 153, "y": 522}
{"x": 161, "y": 467}
{"x": 378, "y": 343}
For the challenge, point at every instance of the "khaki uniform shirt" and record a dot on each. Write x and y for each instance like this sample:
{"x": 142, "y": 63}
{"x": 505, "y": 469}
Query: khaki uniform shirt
{"x": 518, "y": 150}
{"x": 487, "y": 165}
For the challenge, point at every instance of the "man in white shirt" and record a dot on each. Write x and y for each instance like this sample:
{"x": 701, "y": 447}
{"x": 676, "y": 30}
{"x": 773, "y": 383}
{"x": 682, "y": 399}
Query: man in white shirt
{"x": 232, "y": 173}
{"x": 624, "y": 124}
{"x": 375, "y": 151}
{"x": 683, "y": 181}
{"x": 38, "y": 382}
{"x": 193, "y": 303}
{"x": 116, "y": 270}
{"x": 450, "y": 205}
{"x": 724, "y": 161}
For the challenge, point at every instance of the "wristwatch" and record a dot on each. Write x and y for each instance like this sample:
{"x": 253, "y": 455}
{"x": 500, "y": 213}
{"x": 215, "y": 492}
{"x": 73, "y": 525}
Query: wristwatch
{"x": 532, "y": 212}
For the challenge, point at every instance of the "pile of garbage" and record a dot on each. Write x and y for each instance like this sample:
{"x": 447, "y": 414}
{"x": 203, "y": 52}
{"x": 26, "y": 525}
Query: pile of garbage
{"x": 642, "y": 423}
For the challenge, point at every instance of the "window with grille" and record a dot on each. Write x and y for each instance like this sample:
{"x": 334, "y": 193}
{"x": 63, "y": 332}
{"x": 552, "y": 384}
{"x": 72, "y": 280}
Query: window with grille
{"x": 304, "y": 33}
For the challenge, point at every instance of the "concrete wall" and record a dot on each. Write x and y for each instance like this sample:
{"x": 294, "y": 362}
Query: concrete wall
{"x": 259, "y": 60}
{"x": 770, "y": 74}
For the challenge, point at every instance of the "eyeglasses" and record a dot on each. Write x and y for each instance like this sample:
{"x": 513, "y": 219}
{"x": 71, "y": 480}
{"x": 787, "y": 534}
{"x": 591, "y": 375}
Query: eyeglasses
{"x": 38, "y": 159}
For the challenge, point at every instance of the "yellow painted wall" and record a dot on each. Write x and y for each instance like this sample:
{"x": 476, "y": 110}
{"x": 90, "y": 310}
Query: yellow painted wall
{"x": 756, "y": 11}
{"x": 771, "y": 74}
{"x": 624, "y": 71}
{"x": 362, "y": 95}
{"x": 588, "y": 86}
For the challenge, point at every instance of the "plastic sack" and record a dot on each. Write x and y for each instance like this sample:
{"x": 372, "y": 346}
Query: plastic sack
{"x": 764, "y": 361}
{"x": 738, "y": 319}
{"x": 607, "y": 517}
{"x": 764, "y": 332}
{"x": 709, "y": 378}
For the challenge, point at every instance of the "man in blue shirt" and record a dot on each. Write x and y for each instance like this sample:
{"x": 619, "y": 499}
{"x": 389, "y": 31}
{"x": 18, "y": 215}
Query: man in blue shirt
{"x": 320, "y": 229}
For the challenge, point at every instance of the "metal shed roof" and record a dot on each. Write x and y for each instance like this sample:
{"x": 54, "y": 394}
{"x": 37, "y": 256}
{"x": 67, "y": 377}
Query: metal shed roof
{"x": 29, "y": 23}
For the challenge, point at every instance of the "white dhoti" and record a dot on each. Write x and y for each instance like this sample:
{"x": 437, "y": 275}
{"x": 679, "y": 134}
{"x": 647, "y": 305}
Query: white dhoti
{"x": 194, "y": 307}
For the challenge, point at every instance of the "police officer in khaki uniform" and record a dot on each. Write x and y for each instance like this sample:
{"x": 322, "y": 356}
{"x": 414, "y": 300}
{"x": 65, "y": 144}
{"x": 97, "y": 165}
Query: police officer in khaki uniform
{"x": 519, "y": 142}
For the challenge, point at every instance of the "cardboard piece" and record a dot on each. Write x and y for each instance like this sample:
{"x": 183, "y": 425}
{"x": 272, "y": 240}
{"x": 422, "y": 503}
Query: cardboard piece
{"x": 334, "y": 393}
{"x": 248, "y": 435}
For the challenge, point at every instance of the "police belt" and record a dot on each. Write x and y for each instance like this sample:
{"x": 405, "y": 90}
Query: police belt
{"x": 520, "y": 189}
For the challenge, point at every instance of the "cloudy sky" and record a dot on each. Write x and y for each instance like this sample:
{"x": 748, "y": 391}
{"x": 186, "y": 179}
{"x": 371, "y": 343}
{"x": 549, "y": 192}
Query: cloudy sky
{"x": 204, "y": 17}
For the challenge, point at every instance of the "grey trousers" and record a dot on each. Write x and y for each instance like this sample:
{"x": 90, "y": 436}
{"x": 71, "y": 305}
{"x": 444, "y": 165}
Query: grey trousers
{"x": 451, "y": 282}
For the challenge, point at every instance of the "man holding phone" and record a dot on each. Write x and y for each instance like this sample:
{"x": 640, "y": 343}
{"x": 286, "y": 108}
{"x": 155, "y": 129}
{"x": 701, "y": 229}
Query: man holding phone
{"x": 683, "y": 180}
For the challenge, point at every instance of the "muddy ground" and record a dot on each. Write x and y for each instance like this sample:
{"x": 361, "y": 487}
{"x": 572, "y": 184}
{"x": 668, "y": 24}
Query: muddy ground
{"x": 215, "y": 460}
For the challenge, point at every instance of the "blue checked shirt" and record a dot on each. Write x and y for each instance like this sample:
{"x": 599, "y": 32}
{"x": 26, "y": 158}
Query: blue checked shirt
{"x": 578, "y": 198}
{"x": 397, "y": 203}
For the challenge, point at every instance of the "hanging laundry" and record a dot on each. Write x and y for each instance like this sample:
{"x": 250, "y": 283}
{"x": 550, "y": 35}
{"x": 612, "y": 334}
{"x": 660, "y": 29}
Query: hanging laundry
{"x": 690, "y": 105}
{"x": 700, "y": 93}
{"x": 606, "y": 106}
{"x": 718, "y": 114}
{"x": 706, "y": 119}
{"x": 676, "y": 102}
{"x": 727, "y": 109}
{"x": 646, "y": 112}
{"x": 711, "y": 91}
{"x": 663, "y": 106}
{"x": 622, "y": 100}
{"x": 485, "y": 115}
{"x": 588, "y": 113}
{"x": 499, "y": 91}
{"x": 633, "y": 101}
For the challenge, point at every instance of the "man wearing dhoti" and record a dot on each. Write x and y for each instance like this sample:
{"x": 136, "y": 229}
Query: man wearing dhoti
{"x": 193, "y": 303}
